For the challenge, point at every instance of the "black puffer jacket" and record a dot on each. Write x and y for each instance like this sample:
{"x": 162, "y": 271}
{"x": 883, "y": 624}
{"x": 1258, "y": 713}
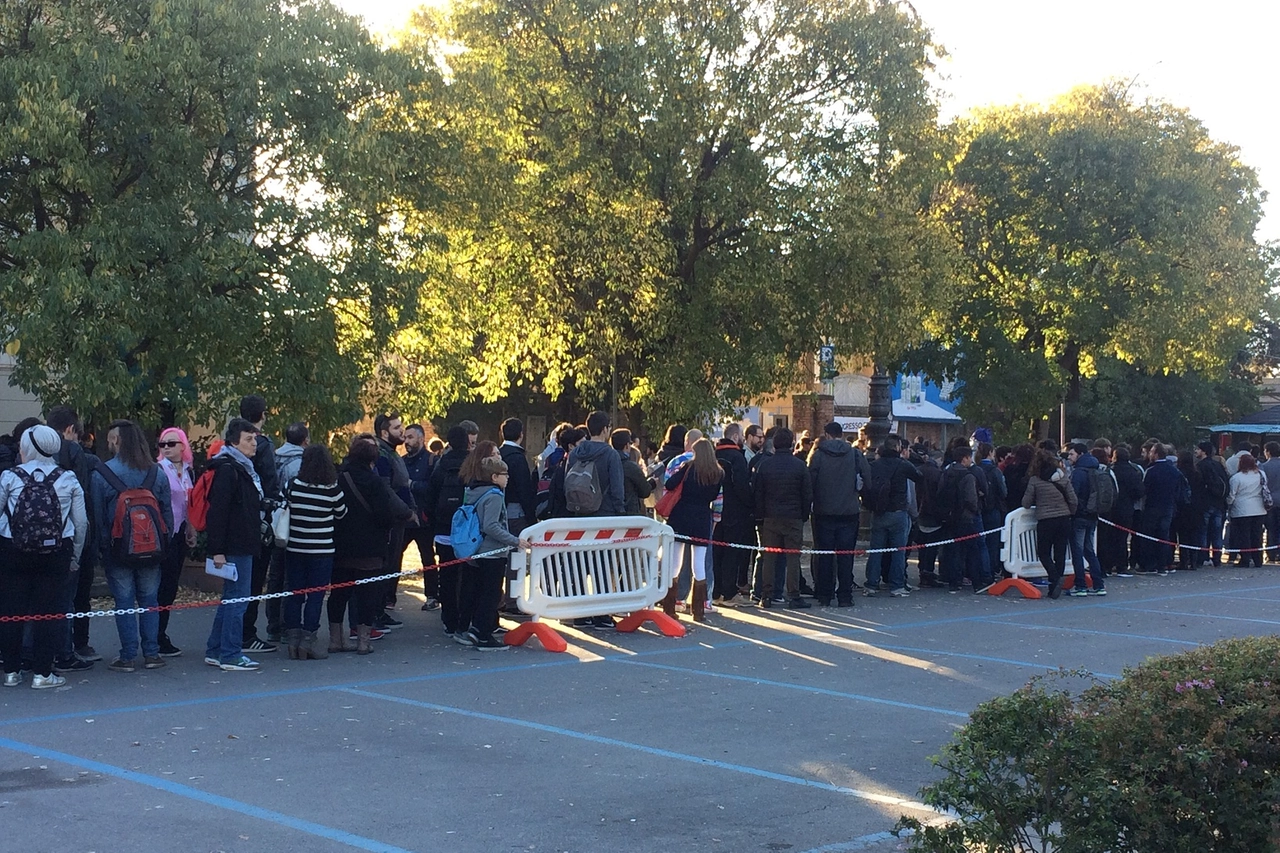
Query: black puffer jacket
{"x": 445, "y": 491}
{"x": 783, "y": 488}
{"x": 363, "y": 531}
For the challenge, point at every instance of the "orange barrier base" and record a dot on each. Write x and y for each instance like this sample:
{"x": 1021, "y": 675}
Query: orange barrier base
{"x": 550, "y": 639}
{"x": 1028, "y": 589}
{"x": 664, "y": 623}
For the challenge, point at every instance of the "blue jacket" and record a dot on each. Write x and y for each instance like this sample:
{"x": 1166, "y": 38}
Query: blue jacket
{"x": 1080, "y": 482}
{"x": 1164, "y": 488}
{"x": 104, "y": 499}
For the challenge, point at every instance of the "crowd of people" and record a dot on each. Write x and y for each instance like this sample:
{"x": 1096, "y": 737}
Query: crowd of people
{"x": 138, "y": 515}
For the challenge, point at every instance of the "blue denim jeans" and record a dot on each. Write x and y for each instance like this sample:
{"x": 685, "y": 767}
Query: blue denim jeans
{"x": 226, "y": 639}
{"x": 136, "y": 588}
{"x": 1214, "y": 519}
{"x": 303, "y": 571}
{"x": 967, "y": 558}
{"x": 889, "y": 530}
{"x": 1082, "y": 551}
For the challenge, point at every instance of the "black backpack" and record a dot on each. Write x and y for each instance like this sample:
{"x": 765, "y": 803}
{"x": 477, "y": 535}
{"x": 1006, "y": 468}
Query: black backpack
{"x": 946, "y": 506}
{"x": 36, "y": 522}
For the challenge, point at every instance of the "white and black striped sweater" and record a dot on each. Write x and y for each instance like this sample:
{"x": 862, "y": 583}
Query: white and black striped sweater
{"x": 312, "y": 511}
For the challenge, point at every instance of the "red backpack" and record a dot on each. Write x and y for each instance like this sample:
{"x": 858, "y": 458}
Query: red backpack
{"x": 139, "y": 535}
{"x": 198, "y": 500}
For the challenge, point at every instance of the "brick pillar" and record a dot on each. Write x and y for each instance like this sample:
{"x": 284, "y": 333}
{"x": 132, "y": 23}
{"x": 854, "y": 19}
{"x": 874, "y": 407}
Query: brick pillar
{"x": 804, "y": 413}
{"x": 824, "y": 412}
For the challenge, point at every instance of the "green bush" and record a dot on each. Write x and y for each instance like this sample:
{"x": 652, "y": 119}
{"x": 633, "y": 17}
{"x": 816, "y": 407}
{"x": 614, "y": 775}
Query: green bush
{"x": 1181, "y": 755}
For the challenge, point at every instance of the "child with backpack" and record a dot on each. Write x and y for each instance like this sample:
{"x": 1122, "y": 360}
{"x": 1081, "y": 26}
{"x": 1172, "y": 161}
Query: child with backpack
{"x": 480, "y": 526}
{"x": 133, "y": 515}
{"x": 43, "y": 527}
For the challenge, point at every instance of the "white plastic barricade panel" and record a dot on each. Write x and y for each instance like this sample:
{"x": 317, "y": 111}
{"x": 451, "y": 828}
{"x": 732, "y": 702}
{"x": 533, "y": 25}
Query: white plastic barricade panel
{"x": 582, "y": 567}
{"x": 1020, "y": 556}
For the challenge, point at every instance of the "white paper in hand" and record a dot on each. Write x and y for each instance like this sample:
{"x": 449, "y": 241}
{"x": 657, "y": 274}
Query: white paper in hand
{"x": 228, "y": 570}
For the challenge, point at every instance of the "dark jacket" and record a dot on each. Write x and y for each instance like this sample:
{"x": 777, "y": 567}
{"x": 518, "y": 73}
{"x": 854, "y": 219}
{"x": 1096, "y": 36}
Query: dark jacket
{"x": 1080, "y": 483}
{"x": 1016, "y": 477}
{"x": 965, "y": 481}
{"x": 418, "y": 466}
{"x": 391, "y": 468}
{"x": 1129, "y": 490}
{"x": 783, "y": 488}
{"x": 669, "y": 451}
{"x": 234, "y": 523}
{"x": 363, "y": 532}
{"x": 692, "y": 513}
{"x": 926, "y": 493}
{"x": 996, "y": 501}
{"x": 636, "y": 486}
{"x": 608, "y": 469}
{"x": 1164, "y": 488}
{"x": 264, "y": 462}
{"x": 521, "y": 488}
{"x": 1211, "y": 470}
{"x": 836, "y": 467}
{"x": 897, "y": 471}
{"x": 445, "y": 491}
{"x": 737, "y": 518}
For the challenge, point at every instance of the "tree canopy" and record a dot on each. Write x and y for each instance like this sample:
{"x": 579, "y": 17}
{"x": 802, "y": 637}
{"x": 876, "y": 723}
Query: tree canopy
{"x": 1096, "y": 228}
{"x": 184, "y": 189}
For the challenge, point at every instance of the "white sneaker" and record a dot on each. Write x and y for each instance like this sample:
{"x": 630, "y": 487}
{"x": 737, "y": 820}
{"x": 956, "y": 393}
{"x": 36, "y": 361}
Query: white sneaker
{"x": 240, "y": 664}
{"x": 12, "y": 679}
{"x": 40, "y": 682}
{"x": 213, "y": 661}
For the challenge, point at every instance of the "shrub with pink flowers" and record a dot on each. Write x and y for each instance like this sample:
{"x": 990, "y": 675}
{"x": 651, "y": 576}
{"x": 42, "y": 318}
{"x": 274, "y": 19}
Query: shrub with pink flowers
{"x": 1180, "y": 755}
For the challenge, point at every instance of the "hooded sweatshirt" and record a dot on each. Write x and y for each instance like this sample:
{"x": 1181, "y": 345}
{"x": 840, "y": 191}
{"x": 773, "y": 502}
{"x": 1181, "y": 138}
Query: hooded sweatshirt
{"x": 1080, "y": 482}
{"x": 838, "y": 470}
{"x": 608, "y": 469}
{"x": 288, "y": 462}
{"x": 491, "y": 509}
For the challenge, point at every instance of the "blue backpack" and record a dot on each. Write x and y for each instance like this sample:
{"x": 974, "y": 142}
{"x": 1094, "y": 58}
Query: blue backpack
{"x": 464, "y": 530}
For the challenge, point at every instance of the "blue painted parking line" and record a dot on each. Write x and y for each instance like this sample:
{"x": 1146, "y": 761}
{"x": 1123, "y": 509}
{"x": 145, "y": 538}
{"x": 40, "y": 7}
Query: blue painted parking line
{"x": 803, "y": 688}
{"x": 1068, "y": 630}
{"x": 199, "y": 796}
{"x": 870, "y": 796}
{"x": 1129, "y": 609}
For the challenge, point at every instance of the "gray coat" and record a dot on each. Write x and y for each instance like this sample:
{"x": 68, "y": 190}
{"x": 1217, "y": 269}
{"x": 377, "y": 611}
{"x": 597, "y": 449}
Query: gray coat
{"x": 837, "y": 467}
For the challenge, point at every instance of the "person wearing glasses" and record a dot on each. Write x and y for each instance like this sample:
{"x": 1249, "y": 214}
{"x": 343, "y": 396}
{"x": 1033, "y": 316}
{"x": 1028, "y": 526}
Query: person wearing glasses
{"x": 481, "y": 587}
{"x": 175, "y": 461}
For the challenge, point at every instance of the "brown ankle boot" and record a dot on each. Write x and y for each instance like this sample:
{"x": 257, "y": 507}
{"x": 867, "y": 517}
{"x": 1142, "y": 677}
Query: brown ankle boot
{"x": 364, "y": 646}
{"x": 294, "y": 637}
{"x": 338, "y": 638}
{"x": 312, "y": 647}
{"x": 699, "y": 601}
{"x": 669, "y": 603}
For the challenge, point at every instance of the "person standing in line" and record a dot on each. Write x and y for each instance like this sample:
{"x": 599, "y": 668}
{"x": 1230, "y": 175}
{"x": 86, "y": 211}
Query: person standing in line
{"x": 737, "y": 526}
{"x": 74, "y": 653}
{"x": 175, "y": 461}
{"x": 1247, "y": 501}
{"x": 481, "y": 586}
{"x": 839, "y": 472}
{"x": 1049, "y": 492}
{"x": 233, "y": 535}
{"x": 691, "y": 519}
{"x": 315, "y": 505}
{"x": 418, "y": 462}
{"x": 445, "y": 492}
{"x": 133, "y": 583}
{"x": 253, "y": 408}
{"x": 40, "y": 538}
{"x": 783, "y": 500}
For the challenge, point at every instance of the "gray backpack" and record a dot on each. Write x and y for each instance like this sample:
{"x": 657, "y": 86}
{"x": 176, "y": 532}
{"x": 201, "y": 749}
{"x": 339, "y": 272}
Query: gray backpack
{"x": 583, "y": 493}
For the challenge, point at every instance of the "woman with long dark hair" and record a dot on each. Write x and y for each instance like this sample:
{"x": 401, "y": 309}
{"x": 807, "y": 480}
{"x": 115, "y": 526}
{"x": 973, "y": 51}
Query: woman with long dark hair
{"x": 361, "y": 538}
{"x": 136, "y": 584}
{"x": 692, "y": 518}
{"x": 1049, "y": 492}
{"x": 1248, "y": 508}
{"x": 1188, "y": 520}
{"x": 175, "y": 461}
{"x": 315, "y": 505}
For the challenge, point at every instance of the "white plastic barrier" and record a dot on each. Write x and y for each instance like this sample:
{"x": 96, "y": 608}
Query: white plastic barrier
{"x": 1022, "y": 560}
{"x": 581, "y": 567}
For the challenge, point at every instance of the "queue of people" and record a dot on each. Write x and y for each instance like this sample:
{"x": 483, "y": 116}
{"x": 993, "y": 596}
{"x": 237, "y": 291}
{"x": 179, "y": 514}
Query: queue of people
{"x": 138, "y": 515}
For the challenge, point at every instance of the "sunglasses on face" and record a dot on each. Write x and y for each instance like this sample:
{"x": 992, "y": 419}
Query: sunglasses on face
{"x": 169, "y": 444}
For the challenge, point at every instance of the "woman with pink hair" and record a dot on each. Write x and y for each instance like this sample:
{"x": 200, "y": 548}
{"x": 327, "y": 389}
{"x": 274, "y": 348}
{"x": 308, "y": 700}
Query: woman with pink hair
{"x": 175, "y": 460}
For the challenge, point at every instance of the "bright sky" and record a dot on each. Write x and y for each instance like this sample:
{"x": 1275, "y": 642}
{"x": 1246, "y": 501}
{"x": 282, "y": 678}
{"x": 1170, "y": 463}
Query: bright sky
{"x": 1208, "y": 57}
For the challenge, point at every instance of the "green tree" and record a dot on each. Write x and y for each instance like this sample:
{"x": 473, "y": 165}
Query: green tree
{"x": 1096, "y": 228}
{"x": 187, "y": 190}
{"x": 686, "y": 198}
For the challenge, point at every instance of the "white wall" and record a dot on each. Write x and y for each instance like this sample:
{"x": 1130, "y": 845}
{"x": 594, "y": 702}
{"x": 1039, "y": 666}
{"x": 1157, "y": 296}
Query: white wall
{"x": 15, "y": 404}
